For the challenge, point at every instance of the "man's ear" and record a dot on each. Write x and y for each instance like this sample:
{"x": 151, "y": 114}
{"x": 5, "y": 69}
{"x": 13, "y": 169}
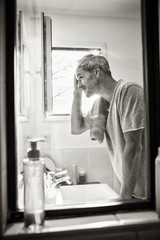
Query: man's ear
{"x": 97, "y": 71}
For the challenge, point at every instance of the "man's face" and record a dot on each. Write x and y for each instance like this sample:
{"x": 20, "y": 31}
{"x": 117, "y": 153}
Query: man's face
{"x": 87, "y": 81}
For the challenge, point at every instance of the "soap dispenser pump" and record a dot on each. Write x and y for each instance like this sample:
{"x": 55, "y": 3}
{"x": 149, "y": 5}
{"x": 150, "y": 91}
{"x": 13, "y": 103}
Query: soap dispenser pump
{"x": 33, "y": 188}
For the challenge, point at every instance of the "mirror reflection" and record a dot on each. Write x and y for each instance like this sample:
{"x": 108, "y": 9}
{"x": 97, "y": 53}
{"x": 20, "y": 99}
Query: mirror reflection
{"x": 79, "y": 87}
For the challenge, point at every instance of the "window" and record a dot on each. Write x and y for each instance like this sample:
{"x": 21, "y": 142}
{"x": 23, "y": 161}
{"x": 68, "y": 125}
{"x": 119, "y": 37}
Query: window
{"x": 63, "y": 67}
{"x": 59, "y": 65}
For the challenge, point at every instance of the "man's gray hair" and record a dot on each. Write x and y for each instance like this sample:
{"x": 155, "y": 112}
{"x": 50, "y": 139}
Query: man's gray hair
{"x": 88, "y": 62}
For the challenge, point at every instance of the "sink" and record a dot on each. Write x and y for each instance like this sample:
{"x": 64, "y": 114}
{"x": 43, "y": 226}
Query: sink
{"x": 85, "y": 193}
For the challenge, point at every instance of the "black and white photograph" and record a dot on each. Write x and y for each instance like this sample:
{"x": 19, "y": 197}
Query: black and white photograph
{"x": 80, "y": 119}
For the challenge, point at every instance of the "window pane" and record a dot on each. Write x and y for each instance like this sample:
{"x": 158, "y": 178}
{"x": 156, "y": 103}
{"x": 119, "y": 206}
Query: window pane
{"x": 63, "y": 68}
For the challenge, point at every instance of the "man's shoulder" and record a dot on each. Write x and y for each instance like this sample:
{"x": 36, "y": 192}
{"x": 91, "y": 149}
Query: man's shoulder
{"x": 126, "y": 84}
{"x": 129, "y": 87}
{"x": 127, "y": 91}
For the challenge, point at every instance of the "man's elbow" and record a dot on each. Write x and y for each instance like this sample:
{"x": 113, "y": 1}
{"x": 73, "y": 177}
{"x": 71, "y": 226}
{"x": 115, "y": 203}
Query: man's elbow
{"x": 75, "y": 131}
{"x": 79, "y": 128}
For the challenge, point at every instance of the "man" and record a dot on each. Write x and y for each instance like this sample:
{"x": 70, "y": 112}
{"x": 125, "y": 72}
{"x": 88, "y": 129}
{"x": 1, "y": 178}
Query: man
{"x": 124, "y": 126}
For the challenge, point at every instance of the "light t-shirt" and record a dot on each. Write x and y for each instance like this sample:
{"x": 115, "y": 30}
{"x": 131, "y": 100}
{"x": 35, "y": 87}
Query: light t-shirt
{"x": 126, "y": 113}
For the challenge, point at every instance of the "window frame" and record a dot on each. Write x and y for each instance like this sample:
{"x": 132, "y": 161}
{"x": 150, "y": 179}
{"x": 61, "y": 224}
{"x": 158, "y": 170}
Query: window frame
{"x": 149, "y": 18}
{"x": 22, "y": 73}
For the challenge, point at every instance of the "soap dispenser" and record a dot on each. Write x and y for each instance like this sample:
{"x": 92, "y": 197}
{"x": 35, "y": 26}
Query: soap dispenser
{"x": 33, "y": 188}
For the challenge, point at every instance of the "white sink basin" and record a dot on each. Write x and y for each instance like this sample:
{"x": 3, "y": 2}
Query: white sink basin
{"x": 75, "y": 194}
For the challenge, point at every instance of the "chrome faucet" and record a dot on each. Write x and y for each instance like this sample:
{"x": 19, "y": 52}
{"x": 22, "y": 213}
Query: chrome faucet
{"x": 63, "y": 180}
{"x": 56, "y": 179}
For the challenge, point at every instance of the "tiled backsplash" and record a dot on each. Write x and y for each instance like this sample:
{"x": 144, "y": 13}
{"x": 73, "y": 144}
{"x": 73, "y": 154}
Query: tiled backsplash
{"x": 95, "y": 161}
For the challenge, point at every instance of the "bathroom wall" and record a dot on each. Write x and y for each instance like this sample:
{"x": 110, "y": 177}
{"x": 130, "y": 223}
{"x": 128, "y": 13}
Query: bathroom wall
{"x": 121, "y": 39}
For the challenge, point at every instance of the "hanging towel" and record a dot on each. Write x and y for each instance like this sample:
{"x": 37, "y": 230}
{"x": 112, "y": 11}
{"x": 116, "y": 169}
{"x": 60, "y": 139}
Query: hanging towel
{"x": 98, "y": 119}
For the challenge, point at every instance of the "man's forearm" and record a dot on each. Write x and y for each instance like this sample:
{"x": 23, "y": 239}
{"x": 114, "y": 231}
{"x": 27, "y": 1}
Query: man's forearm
{"x": 130, "y": 170}
{"x": 76, "y": 113}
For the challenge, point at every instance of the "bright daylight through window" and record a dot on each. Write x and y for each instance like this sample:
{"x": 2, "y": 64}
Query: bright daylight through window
{"x": 63, "y": 66}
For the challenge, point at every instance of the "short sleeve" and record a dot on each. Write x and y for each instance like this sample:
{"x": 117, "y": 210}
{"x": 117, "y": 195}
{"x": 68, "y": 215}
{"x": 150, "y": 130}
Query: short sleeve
{"x": 131, "y": 108}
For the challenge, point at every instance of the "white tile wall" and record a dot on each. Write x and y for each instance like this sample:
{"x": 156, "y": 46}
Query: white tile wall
{"x": 95, "y": 161}
{"x": 99, "y": 165}
{"x": 78, "y": 156}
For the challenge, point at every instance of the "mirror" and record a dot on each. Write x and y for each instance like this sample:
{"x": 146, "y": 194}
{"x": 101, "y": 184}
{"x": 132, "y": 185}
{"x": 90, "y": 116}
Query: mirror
{"x": 51, "y": 37}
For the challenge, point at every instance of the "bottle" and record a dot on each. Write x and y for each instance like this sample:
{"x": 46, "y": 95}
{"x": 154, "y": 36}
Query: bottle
{"x": 33, "y": 188}
{"x": 74, "y": 174}
{"x": 157, "y": 181}
{"x": 82, "y": 177}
